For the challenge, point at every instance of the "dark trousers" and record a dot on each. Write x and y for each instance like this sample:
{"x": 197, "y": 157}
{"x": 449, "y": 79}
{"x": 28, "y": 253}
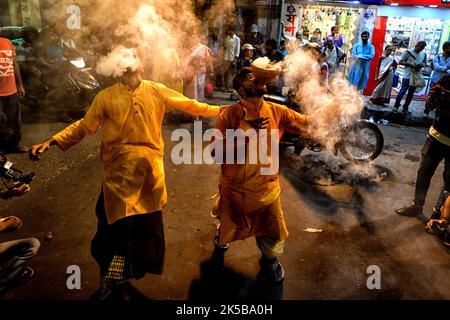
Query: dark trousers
{"x": 405, "y": 88}
{"x": 433, "y": 152}
{"x": 9, "y": 106}
{"x": 427, "y": 109}
{"x": 14, "y": 256}
{"x": 139, "y": 238}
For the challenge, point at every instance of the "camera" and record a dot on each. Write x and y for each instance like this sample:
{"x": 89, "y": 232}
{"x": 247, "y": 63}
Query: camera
{"x": 11, "y": 173}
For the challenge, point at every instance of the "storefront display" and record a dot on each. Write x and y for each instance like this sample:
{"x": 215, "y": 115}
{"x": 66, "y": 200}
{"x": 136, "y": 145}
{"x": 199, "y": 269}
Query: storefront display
{"x": 405, "y": 32}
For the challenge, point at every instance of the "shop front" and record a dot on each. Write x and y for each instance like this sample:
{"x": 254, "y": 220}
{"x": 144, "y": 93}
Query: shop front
{"x": 316, "y": 18}
{"x": 403, "y": 27}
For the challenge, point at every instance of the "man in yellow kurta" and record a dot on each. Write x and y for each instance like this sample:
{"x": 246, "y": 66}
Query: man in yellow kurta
{"x": 130, "y": 240}
{"x": 249, "y": 202}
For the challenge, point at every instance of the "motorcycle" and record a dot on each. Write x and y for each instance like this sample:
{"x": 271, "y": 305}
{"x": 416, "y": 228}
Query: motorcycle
{"x": 70, "y": 89}
{"x": 358, "y": 142}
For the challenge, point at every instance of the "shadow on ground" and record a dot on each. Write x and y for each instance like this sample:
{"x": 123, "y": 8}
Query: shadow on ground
{"x": 218, "y": 283}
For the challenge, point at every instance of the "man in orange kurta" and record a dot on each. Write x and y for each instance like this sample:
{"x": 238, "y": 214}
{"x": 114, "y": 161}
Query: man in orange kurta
{"x": 249, "y": 202}
{"x": 130, "y": 240}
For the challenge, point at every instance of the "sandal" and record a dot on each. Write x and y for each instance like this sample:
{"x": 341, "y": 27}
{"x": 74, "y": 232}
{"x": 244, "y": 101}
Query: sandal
{"x": 10, "y": 223}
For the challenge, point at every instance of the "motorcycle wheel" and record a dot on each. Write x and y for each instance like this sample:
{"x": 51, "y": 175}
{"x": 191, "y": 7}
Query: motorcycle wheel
{"x": 363, "y": 141}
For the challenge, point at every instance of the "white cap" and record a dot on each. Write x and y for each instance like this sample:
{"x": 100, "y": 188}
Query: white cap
{"x": 254, "y": 28}
{"x": 247, "y": 46}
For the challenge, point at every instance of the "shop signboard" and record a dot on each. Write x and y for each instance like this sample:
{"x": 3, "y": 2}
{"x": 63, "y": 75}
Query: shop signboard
{"x": 440, "y": 3}
{"x": 379, "y": 2}
{"x": 291, "y": 20}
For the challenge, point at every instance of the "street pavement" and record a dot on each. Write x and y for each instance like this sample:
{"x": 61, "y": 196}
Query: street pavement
{"x": 353, "y": 205}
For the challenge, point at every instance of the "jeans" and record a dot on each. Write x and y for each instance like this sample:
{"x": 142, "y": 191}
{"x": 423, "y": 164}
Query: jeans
{"x": 14, "y": 255}
{"x": 405, "y": 87}
{"x": 9, "y": 105}
{"x": 433, "y": 152}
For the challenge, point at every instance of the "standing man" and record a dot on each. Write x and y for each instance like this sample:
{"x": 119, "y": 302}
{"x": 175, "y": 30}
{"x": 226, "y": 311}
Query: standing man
{"x": 231, "y": 47}
{"x": 249, "y": 202}
{"x": 441, "y": 67}
{"x": 362, "y": 53}
{"x": 246, "y": 58}
{"x": 338, "y": 40}
{"x": 11, "y": 88}
{"x": 257, "y": 41}
{"x": 200, "y": 63}
{"x": 130, "y": 238}
{"x": 333, "y": 56}
{"x": 413, "y": 60}
{"x": 435, "y": 149}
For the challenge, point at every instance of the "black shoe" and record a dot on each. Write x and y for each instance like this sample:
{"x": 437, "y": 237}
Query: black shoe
{"x": 272, "y": 268}
{"x": 410, "y": 210}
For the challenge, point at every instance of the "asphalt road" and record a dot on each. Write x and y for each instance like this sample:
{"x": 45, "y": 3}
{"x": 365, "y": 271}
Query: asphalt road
{"x": 353, "y": 205}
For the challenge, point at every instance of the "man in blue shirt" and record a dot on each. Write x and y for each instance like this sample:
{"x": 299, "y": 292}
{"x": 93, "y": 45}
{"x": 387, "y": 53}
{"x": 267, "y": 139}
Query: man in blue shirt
{"x": 441, "y": 67}
{"x": 362, "y": 53}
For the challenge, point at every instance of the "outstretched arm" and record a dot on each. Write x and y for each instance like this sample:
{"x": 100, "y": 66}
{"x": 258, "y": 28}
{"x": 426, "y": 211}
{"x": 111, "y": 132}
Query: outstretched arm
{"x": 174, "y": 99}
{"x": 74, "y": 133}
{"x": 293, "y": 121}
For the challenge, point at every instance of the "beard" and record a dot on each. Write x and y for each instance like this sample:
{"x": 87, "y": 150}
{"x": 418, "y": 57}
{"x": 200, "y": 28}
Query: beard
{"x": 255, "y": 92}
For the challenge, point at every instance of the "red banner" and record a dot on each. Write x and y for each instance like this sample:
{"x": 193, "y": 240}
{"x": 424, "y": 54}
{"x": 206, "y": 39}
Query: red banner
{"x": 379, "y": 32}
{"x": 418, "y": 3}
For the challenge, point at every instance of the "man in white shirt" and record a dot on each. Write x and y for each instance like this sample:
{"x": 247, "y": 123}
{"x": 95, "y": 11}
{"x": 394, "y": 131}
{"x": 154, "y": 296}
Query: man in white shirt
{"x": 413, "y": 60}
{"x": 333, "y": 55}
{"x": 231, "y": 51}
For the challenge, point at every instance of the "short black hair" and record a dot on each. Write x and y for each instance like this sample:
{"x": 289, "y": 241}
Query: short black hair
{"x": 421, "y": 44}
{"x": 272, "y": 43}
{"x": 333, "y": 27}
{"x": 239, "y": 78}
{"x": 445, "y": 45}
{"x": 365, "y": 32}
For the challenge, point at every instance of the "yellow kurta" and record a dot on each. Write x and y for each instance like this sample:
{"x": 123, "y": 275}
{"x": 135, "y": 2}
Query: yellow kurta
{"x": 132, "y": 146}
{"x": 249, "y": 203}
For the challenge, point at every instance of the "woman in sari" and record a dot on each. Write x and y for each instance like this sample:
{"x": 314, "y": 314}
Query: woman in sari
{"x": 385, "y": 75}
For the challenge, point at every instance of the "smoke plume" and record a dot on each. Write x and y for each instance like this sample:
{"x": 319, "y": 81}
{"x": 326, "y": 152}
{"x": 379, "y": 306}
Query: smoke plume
{"x": 333, "y": 104}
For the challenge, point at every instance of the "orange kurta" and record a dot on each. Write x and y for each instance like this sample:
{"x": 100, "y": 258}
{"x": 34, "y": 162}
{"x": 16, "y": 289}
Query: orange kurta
{"x": 132, "y": 146}
{"x": 249, "y": 203}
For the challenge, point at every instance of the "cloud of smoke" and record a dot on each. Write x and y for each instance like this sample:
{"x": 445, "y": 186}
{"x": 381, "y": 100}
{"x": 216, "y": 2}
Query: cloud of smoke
{"x": 163, "y": 33}
{"x": 118, "y": 61}
{"x": 340, "y": 102}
